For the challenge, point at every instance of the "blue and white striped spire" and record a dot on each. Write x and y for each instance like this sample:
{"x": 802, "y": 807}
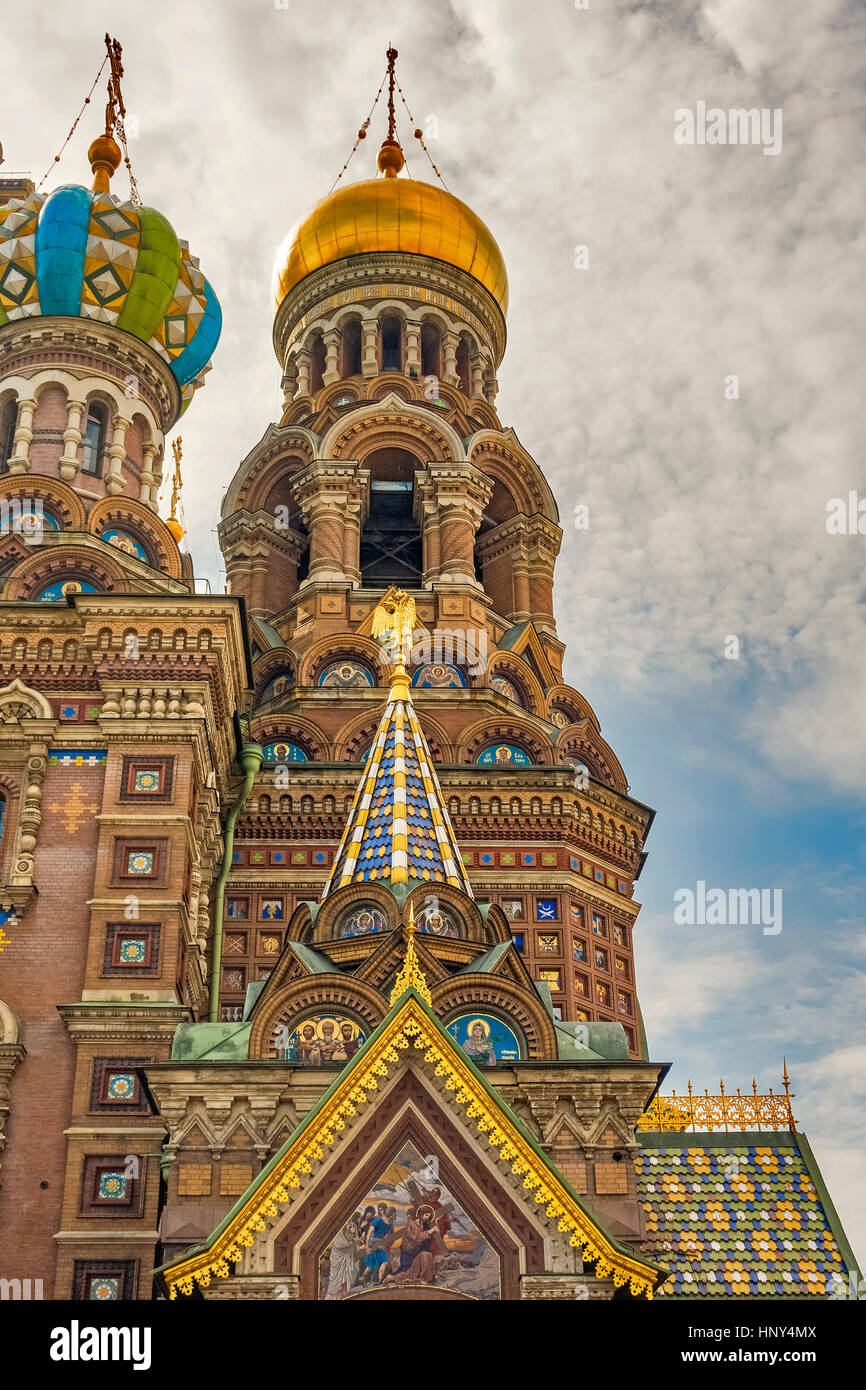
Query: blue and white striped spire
{"x": 398, "y": 829}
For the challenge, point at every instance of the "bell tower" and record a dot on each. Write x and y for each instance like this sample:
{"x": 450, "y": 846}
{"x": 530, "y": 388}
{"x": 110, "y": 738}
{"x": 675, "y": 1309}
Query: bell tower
{"x": 389, "y": 469}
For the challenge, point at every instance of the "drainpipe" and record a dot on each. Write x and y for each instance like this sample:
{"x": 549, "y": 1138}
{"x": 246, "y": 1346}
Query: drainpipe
{"x": 250, "y": 759}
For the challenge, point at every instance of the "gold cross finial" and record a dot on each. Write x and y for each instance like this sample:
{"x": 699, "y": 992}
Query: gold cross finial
{"x": 391, "y": 158}
{"x": 174, "y": 524}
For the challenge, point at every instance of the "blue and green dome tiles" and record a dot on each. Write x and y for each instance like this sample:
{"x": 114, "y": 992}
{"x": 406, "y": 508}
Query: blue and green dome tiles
{"x": 83, "y": 254}
{"x": 730, "y": 1218}
{"x": 398, "y": 829}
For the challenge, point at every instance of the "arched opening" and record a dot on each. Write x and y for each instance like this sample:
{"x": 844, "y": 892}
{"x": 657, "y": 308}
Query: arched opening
{"x": 496, "y": 573}
{"x": 350, "y": 348}
{"x": 8, "y": 422}
{"x": 431, "y": 354}
{"x": 463, "y": 370}
{"x": 391, "y": 550}
{"x": 317, "y": 365}
{"x": 391, "y": 343}
{"x": 95, "y": 430}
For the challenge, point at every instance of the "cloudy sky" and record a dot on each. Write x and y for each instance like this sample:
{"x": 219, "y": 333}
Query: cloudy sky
{"x": 707, "y": 515}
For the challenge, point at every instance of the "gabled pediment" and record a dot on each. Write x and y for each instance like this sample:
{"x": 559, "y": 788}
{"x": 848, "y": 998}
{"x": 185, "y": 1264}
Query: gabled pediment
{"x": 502, "y": 960}
{"x": 410, "y": 1081}
{"x": 524, "y": 641}
{"x": 296, "y": 961}
{"x": 381, "y": 967}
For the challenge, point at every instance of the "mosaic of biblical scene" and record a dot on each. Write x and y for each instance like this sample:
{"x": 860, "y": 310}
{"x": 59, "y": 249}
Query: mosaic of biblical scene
{"x": 122, "y": 540}
{"x": 505, "y": 687}
{"x": 437, "y": 676}
{"x": 435, "y": 921}
{"x": 322, "y": 1040}
{"x": 367, "y": 921}
{"x": 346, "y": 675}
{"x": 485, "y": 1039}
{"x": 505, "y": 754}
{"x": 284, "y": 753}
{"x": 277, "y": 686}
{"x": 409, "y": 1230}
{"x": 63, "y": 588}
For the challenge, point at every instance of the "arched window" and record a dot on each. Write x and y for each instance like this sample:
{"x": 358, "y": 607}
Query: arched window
{"x": 8, "y": 421}
{"x": 463, "y": 367}
{"x": 391, "y": 548}
{"x": 2, "y": 814}
{"x": 391, "y": 330}
{"x": 94, "y": 437}
{"x": 317, "y": 365}
{"x": 430, "y": 353}
{"x": 351, "y": 348}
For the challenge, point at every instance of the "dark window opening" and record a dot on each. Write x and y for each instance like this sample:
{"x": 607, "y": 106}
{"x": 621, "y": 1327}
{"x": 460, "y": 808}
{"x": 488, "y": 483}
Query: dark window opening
{"x": 391, "y": 551}
{"x": 317, "y": 365}
{"x": 351, "y": 345}
{"x": 392, "y": 355}
{"x": 94, "y": 438}
{"x": 463, "y": 367}
{"x": 8, "y": 420}
{"x": 430, "y": 355}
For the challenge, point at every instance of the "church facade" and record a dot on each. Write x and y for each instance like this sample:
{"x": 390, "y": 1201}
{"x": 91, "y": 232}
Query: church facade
{"x": 318, "y": 896}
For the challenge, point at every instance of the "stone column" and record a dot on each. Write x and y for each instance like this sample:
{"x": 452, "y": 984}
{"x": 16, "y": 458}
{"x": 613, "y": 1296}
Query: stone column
{"x": 304, "y": 361}
{"x": 20, "y": 460}
{"x": 332, "y": 356}
{"x": 505, "y": 567}
{"x": 450, "y": 374}
{"x": 477, "y": 374}
{"x": 116, "y": 455}
{"x": 542, "y": 546}
{"x": 426, "y": 510}
{"x": 369, "y": 336}
{"x": 71, "y": 440}
{"x": 148, "y": 493}
{"x": 462, "y": 493}
{"x": 413, "y": 346}
{"x": 289, "y": 384}
{"x": 333, "y": 497}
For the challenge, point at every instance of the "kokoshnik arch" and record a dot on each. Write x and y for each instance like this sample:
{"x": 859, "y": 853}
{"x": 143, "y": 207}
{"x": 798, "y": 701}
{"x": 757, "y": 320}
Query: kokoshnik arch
{"x": 318, "y": 896}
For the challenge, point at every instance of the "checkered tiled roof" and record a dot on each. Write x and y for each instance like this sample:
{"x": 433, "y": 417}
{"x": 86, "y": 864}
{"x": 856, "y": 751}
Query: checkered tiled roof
{"x": 731, "y": 1217}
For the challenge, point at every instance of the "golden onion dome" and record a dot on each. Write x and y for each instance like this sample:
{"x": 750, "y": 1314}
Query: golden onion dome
{"x": 391, "y": 214}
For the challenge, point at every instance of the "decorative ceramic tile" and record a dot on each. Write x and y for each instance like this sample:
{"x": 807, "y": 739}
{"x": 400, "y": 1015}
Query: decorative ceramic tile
{"x": 140, "y": 861}
{"x": 133, "y": 950}
{"x": 732, "y": 1219}
{"x": 112, "y": 1187}
{"x": 121, "y": 1085}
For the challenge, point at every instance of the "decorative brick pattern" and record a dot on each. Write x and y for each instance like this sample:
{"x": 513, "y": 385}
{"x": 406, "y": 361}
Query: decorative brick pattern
{"x": 235, "y": 1178}
{"x": 194, "y": 1180}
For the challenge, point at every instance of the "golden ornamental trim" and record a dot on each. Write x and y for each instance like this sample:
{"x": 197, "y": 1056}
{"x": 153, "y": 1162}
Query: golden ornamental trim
{"x": 411, "y": 975}
{"x": 727, "y": 1111}
{"x": 411, "y": 1026}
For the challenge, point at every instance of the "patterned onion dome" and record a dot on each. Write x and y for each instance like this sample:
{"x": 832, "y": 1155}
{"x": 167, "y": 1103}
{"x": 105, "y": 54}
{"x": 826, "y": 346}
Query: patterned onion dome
{"x": 85, "y": 254}
{"x": 391, "y": 214}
